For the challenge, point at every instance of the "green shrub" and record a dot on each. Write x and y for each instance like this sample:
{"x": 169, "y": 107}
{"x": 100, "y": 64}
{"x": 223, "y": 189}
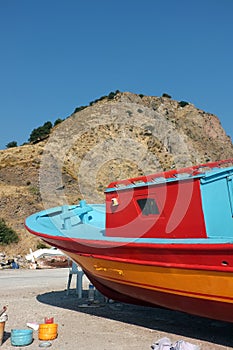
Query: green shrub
{"x": 183, "y": 103}
{"x": 41, "y": 245}
{"x": 7, "y": 234}
{"x": 11, "y": 144}
{"x": 78, "y": 109}
{"x": 34, "y": 190}
{"x": 41, "y": 132}
{"x": 58, "y": 121}
{"x": 111, "y": 95}
{"x": 102, "y": 98}
{"x": 97, "y": 100}
{"x": 166, "y": 95}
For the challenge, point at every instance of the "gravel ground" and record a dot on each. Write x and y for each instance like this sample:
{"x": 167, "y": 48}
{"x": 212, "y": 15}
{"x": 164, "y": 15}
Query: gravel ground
{"x": 32, "y": 295}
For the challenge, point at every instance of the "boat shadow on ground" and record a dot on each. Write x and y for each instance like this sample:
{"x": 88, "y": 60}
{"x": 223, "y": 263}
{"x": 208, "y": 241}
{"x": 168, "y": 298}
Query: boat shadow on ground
{"x": 156, "y": 319}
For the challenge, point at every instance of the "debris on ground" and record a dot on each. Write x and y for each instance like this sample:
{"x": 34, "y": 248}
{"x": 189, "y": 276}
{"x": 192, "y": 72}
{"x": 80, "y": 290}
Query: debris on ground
{"x": 3, "y": 319}
{"x": 43, "y": 252}
{"x": 166, "y": 344}
{"x": 12, "y": 262}
{"x": 45, "y": 258}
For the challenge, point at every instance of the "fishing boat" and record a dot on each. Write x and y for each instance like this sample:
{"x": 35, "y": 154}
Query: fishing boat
{"x": 164, "y": 239}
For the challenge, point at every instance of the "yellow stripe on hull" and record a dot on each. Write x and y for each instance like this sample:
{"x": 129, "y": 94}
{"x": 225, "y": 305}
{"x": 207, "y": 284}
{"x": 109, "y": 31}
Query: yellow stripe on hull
{"x": 209, "y": 285}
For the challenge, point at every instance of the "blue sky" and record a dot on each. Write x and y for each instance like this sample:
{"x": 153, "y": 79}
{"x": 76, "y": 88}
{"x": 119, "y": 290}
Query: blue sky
{"x": 57, "y": 55}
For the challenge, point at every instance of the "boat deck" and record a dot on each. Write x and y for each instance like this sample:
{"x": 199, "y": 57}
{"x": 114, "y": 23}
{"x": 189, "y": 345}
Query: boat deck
{"x": 50, "y": 223}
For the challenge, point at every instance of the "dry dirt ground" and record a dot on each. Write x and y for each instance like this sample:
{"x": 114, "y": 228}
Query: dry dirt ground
{"x": 32, "y": 295}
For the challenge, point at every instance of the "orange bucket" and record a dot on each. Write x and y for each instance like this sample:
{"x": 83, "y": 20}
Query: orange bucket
{"x": 47, "y": 331}
{"x": 2, "y": 327}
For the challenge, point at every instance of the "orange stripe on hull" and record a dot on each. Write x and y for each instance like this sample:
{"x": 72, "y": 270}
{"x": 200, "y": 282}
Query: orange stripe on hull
{"x": 209, "y": 285}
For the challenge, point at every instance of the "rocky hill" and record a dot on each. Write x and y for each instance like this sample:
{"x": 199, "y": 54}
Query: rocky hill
{"x": 125, "y": 136}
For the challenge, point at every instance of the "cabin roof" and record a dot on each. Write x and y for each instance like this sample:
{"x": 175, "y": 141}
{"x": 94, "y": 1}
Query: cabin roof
{"x": 209, "y": 170}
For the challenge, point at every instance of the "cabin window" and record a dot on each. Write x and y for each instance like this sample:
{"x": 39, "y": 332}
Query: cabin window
{"x": 148, "y": 206}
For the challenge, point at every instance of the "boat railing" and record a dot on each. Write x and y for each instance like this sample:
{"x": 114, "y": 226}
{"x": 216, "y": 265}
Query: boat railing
{"x": 179, "y": 174}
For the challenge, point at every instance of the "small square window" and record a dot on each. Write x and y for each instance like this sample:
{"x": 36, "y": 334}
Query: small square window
{"x": 148, "y": 206}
